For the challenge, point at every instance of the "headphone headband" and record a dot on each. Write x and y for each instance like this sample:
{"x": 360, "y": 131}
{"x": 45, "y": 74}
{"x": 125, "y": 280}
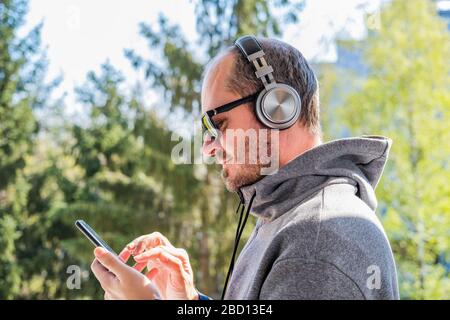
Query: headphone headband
{"x": 248, "y": 45}
{"x": 251, "y": 49}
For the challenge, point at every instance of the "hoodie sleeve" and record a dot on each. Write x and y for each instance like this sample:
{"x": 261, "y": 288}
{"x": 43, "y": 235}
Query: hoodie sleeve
{"x": 299, "y": 279}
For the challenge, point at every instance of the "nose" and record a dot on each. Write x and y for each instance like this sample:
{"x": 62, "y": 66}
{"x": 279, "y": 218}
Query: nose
{"x": 209, "y": 146}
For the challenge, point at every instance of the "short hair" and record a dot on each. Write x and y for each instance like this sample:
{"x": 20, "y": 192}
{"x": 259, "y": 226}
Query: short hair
{"x": 290, "y": 67}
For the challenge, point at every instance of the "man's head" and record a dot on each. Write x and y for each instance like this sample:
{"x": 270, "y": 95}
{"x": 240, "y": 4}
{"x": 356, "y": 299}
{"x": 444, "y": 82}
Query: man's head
{"x": 229, "y": 77}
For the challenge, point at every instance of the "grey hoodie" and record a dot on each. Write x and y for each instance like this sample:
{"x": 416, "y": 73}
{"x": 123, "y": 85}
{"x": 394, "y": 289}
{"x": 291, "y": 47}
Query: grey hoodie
{"x": 317, "y": 235}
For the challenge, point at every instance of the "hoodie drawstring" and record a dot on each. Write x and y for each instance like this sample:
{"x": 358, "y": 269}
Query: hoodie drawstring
{"x": 239, "y": 230}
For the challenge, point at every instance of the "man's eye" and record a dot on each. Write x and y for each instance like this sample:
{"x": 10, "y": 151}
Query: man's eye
{"x": 220, "y": 124}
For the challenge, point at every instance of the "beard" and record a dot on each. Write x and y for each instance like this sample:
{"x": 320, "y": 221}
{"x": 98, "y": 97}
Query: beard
{"x": 237, "y": 175}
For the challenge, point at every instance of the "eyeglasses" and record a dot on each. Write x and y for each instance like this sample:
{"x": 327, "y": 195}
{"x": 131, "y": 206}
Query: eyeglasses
{"x": 208, "y": 124}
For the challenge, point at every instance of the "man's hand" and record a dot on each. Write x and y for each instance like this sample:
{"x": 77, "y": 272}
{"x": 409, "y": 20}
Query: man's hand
{"x": 120, "y": 281}
{"x": 168, "y": 267}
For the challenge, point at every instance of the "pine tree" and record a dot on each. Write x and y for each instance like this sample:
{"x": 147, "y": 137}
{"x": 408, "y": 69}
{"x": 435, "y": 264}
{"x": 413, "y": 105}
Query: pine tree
{"x": 22, "y": 90}
{"x": 126, "y": 184}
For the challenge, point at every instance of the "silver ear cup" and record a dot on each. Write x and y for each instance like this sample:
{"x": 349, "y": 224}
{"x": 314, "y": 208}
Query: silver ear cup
{"x": 279, "y": 107}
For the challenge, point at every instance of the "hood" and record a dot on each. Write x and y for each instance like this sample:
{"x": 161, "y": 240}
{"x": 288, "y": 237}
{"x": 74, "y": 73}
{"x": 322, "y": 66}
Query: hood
{"x": 359, "y": 161}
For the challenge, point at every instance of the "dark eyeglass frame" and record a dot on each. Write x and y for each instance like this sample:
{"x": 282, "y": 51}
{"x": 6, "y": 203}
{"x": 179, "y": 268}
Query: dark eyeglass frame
{"x": 208, "y": 124}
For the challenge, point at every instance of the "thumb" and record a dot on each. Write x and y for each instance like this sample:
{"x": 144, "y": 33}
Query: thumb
{"x": 110, "y": 261}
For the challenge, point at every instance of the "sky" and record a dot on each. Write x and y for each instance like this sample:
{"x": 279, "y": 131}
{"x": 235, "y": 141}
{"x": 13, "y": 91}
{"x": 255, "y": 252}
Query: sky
{"x": 80, "y": 35}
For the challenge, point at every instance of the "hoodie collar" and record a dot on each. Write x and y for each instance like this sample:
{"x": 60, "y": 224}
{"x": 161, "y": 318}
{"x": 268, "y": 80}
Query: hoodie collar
{"x": 359, "y": 161}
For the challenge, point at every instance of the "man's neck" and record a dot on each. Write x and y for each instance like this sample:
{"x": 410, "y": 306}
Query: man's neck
{"x": 295, "y": 150}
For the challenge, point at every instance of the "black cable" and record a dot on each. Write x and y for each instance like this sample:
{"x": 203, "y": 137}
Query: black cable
{"x": 240, "y": 220}
{"x": 239, "y": 231}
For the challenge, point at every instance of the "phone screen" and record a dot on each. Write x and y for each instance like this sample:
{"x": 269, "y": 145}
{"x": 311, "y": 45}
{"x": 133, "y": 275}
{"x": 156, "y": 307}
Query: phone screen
{"x": 92, "y": 235}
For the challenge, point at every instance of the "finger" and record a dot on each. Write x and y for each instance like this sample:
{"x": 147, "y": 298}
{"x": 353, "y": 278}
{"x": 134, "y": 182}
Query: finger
{"x": 102, "y": 274}
{"x": 147, "y": 242}
{"x": 178, "y": 253}
{"x": 166, "y": 259}
{"x": 125, "y": 254}
{"x": 152, "y": 274}
{"x": 110, "y": 296}
{"x": 183, "y": 254}
{"x": 140, "y": 266}
{"x": 111, "y": 262}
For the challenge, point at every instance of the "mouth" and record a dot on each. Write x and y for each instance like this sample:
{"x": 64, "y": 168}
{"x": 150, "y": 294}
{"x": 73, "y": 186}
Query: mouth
{"x": 223, "y": 158}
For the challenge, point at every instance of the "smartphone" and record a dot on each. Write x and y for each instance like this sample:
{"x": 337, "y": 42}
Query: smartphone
{"x": 92, "y": 235}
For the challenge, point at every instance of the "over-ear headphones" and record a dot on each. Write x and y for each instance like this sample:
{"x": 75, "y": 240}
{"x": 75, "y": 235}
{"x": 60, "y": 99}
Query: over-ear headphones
{"x": 278, "y": 105}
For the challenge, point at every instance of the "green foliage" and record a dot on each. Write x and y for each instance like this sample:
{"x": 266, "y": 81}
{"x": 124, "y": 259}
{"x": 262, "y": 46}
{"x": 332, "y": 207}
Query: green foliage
{"x": 115, "y": 169}
{"x": 220, "y": 22}
{"x": 406, "y": 98}
{"x": 23, "y": 221}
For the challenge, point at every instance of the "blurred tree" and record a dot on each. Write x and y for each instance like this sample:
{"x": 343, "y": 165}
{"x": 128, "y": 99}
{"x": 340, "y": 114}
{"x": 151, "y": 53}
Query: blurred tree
{"x": 406, "y": 97}
{"x": 178, "y": 77}
{"x": 122, "y": 180}
{"x": 23, "y": 242}
{"x": 329, "y": 81}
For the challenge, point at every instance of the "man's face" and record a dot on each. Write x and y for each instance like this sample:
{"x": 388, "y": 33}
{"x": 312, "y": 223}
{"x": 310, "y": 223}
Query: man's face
{"x": 226, "y": 148}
